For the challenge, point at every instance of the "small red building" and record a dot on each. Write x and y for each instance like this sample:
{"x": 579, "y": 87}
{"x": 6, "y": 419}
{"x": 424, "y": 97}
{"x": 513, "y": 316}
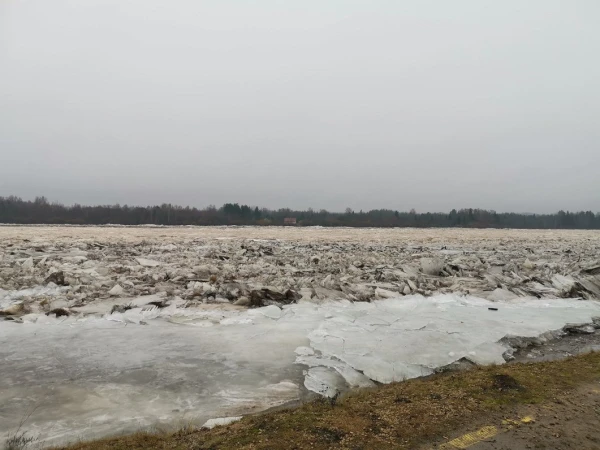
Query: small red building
{"x": 289, "y": 221}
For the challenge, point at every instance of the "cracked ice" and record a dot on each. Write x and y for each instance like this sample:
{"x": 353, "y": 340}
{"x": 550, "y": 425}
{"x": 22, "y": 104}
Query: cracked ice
{"x": 91, "y": 376}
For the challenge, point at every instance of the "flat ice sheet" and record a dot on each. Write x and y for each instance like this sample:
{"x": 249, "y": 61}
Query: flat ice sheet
{"x": 102, "y": 374}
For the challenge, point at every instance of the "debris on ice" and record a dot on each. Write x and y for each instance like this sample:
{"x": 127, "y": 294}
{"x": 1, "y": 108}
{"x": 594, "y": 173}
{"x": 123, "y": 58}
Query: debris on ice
{"x": 211, "y": 423}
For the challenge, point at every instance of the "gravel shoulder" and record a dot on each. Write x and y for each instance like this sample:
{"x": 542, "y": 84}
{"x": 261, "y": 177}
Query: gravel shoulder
{"x": 566, "y": 421}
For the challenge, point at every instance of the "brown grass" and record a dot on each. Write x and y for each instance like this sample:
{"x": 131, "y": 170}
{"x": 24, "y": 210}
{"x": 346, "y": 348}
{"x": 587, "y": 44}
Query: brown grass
{"x": 399, "y": 415}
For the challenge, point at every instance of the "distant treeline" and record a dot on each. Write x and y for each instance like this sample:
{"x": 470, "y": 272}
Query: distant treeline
{"x": 41, "y": 211}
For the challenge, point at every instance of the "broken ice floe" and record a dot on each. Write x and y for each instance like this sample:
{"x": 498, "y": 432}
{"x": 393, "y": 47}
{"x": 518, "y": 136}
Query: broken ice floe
{"x": 220, "y": 421}
{"x": 239, "y": 266}
{"x": 396, "y": 339}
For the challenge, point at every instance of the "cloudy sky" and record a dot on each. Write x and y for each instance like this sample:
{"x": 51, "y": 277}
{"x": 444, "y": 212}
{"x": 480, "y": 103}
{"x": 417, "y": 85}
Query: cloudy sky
{"x": 316, "y": 103}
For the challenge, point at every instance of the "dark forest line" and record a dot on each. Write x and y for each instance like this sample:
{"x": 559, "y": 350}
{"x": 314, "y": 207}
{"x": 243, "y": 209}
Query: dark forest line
{"x": 41, "y": 211}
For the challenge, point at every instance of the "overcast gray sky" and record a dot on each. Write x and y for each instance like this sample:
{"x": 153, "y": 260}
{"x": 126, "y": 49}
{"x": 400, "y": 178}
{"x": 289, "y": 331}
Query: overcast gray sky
{"x": 324, "y": 103}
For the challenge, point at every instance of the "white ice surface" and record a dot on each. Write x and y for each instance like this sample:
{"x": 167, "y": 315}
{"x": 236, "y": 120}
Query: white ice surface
{"x": 104, "y": 373}
{"x": 396, "y": 339}
{"x": 220, "y": 421}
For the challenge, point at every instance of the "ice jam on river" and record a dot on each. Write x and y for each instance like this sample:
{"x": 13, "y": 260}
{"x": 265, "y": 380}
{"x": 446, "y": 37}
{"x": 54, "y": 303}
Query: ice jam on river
{"x": 113, "y": 329}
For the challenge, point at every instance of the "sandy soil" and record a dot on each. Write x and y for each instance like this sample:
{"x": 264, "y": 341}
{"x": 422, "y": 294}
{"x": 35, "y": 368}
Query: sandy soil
{"x": 567, "y": 422}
